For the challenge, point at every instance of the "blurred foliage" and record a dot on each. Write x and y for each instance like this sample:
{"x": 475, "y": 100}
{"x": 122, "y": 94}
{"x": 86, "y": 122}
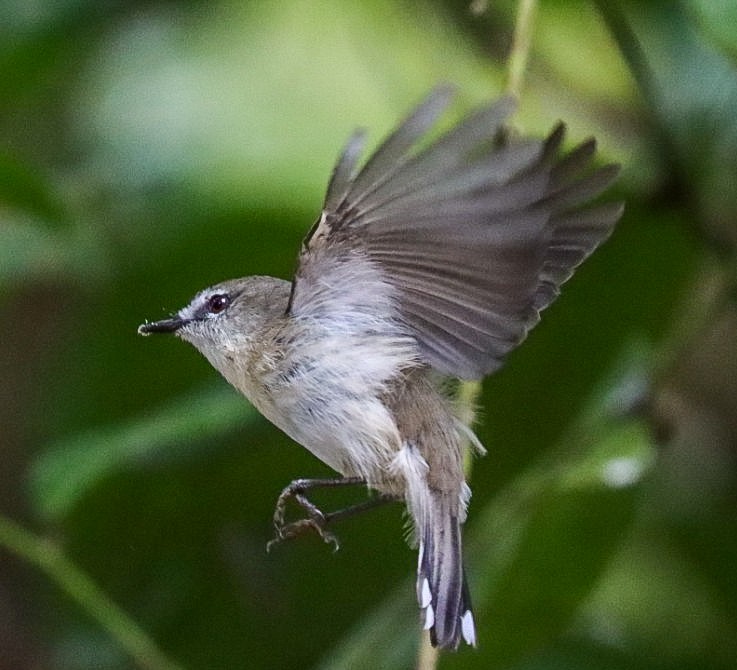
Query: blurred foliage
{"x": 148, "y": 149}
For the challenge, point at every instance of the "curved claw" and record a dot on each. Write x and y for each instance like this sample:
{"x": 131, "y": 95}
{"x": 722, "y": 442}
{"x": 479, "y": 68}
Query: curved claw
{"x": 315, "y": 520}
{"x": 296, "y": 528}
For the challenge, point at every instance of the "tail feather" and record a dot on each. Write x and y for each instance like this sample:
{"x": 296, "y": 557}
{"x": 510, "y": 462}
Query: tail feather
{"x": 442, "y": 592}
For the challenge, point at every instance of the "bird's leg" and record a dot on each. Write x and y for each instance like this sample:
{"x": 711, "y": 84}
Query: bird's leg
{"x": 316, "y": 520}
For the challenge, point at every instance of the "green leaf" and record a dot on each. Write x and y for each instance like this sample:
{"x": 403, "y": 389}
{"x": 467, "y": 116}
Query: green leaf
{"x": 691, "y": 88}
{"x": 25, "y": 189}
{"x": 64, "y": 473}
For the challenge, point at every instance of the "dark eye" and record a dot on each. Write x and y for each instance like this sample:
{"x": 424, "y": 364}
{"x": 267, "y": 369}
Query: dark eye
{"x": 217, "y": 303}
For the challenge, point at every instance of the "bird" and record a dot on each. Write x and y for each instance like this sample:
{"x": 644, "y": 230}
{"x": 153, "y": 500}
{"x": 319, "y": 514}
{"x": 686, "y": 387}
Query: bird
{"x": 429, "y": 262}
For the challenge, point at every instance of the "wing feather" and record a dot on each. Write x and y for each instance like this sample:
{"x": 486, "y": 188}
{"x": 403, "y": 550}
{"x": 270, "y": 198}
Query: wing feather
{"x": 389, "y": 158}
{"x": 465, "y": 238}
{"x": 344, "y": 171}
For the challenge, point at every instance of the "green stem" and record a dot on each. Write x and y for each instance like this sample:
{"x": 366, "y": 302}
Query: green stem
{"x": 49, "y": 558}
{"x": 468, "y": 395}
{"x": 521, "y": 44}
{"x": 427, "y": 656}
{"x": 468, "y": 392}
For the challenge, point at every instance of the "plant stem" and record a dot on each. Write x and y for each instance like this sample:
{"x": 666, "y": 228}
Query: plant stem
{"x": 427, "y": 656}
{"x": 466, "y": 397}
{"x": 49, "y": 558}
{"x": 520, "y": 50}
{"x": 468, "y": 392}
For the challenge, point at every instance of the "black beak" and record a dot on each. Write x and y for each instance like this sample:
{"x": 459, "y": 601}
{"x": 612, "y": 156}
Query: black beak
{"x": 164, "y": 326}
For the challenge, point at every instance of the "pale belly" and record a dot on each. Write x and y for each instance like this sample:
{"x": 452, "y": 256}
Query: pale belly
{"x": 356, "y": 436}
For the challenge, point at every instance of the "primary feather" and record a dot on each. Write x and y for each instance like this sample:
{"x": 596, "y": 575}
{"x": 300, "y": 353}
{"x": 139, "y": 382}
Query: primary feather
{"x": 475, "y": 231}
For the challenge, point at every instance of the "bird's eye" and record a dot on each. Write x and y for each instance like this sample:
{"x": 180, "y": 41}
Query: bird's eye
{"x": 217, "y": 303}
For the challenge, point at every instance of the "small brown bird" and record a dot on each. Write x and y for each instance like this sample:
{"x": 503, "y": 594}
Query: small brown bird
{"x": 432, "y": 260}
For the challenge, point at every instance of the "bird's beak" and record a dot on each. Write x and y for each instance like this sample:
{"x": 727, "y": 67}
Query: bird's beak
{"x": 164, "y": 326}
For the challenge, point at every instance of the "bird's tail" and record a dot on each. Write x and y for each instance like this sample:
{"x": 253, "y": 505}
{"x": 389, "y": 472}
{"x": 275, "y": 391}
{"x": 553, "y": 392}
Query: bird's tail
{"x": 441, "y": 585}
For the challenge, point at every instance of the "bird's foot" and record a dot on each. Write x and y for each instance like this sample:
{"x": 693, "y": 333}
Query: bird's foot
{"x": 316, "y": 520}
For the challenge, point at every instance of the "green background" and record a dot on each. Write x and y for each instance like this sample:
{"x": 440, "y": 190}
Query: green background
{"x": 149, "y": 149}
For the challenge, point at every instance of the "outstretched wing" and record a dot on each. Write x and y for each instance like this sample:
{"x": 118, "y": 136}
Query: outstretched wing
{"x": 470, "y": 235}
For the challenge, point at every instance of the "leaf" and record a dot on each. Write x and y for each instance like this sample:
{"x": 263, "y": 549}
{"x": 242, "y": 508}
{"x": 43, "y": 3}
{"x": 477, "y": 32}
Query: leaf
{"x": 64, "y": 473}
{"x": 691, "y": 88}
{"x": 33, "y": 250}
{"x": 25, "y": 189}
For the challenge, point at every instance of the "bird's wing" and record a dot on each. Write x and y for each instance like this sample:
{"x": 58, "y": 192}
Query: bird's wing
{"x": 471, "y": 234}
